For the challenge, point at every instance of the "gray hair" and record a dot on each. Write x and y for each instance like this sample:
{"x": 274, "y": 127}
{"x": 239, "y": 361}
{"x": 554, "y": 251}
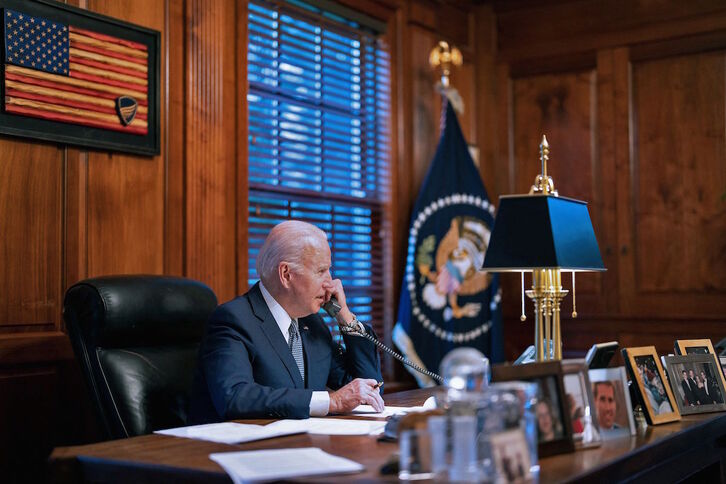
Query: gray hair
{"x": 287, "y": 242}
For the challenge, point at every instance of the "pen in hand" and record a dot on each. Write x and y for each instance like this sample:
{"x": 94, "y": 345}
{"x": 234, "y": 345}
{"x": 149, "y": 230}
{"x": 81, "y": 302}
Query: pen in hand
{"x": 378, "y": 385}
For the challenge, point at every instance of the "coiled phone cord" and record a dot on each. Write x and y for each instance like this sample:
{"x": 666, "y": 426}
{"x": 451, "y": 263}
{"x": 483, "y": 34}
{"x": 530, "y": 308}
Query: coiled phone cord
{"x": 393, "y": 353}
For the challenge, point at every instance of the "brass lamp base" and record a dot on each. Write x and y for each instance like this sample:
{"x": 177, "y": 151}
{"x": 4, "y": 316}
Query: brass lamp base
{"x": 547, "y": 294}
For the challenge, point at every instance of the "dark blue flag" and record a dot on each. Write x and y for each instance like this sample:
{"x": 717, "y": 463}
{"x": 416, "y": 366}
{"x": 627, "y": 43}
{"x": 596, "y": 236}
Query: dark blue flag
{"x": 446, "y": 301}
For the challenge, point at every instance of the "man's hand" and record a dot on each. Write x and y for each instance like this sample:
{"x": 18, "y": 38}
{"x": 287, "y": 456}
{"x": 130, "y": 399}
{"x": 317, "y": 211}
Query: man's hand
{"x": 358, "y": 392}
{"x": 335, "y": 288}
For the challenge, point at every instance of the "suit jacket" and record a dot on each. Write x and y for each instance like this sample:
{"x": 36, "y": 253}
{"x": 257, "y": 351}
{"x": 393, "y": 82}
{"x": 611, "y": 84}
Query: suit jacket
{"x": 690, "y": 396}
{"x": 714, "y": 391}
{"x": 246, "y": 369}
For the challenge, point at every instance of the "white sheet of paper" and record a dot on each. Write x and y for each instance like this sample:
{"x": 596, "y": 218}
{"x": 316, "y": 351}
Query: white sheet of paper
{"x": 256, "y": 465}
{"x": 229, "y": 432}
{"x": 368, "y": 411}
{"x": 330, "y": 426}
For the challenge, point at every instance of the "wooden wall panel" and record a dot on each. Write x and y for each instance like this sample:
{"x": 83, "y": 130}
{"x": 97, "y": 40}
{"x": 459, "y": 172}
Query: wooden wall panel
{"x": 426, "y": 106}
{"x": 174, "y": 108}
{"x": 30, "y": 247}
{"x": 562, "y": 107}
{"x": 679, "y": 129}
{"x": 559, "y": 29}
{"x": 125, "y": 214}
{"x": 210, "y": 134}
{"x": 126, "y": 193}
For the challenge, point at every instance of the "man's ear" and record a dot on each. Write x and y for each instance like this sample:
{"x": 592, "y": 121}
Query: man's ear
{"x": 285, "y": 274}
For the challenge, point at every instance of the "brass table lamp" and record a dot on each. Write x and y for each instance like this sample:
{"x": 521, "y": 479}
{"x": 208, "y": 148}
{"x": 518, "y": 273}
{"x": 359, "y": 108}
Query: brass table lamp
{"x": 545, "y": 234}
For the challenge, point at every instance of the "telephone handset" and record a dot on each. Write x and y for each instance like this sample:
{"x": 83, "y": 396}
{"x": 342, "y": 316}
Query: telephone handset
{"x": 332, "y": 307}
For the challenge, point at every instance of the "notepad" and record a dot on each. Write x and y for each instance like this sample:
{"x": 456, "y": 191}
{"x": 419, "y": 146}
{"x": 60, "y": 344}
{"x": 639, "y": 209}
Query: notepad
{"x": 230, "y": 432}
{"x": 257, "y": 465}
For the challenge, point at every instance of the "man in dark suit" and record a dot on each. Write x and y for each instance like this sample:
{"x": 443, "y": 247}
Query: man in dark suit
{"x": 268, "y": 353}
{"x": 711, "y": 388}
{"x": 688, "y": 392}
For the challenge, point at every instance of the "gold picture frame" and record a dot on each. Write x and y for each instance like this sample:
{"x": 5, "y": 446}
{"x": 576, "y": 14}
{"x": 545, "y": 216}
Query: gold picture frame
{"x": 654, "y": 391}
{"x": 696, "y": 346}
{"x": 682, "y": 346}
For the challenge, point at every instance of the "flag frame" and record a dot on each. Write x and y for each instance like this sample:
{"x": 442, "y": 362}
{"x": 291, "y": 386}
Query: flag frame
{"x": 16, "y": 124}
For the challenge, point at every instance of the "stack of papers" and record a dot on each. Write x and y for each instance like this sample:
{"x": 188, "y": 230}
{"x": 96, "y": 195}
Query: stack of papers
{"x": 331, "y": 426}
{"x": 230, "y": 432}
{"x": 236, "y": 433}
{"x": 368, "y": 411}
{"x": 256, "y": 465}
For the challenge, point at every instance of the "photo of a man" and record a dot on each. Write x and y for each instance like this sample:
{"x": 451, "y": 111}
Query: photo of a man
{"x": 689, "y": 394}
{"x": 711, "y": 388}
{"x": 611, "y": 402}
{"x": 605, "y": 404}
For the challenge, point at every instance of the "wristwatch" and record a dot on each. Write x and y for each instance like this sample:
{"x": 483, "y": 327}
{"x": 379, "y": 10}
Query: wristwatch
{"x": 354, "y": 327}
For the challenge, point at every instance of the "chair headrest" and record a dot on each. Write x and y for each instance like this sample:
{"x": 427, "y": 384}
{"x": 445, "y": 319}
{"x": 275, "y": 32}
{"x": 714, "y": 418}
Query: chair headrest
{"x": 139, "y": 310}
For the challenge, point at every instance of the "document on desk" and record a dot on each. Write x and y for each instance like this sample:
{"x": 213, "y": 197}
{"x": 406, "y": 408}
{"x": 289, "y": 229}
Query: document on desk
{"x": 330, "y": 426}
{"x": 230, "y": 432}
{"x": 369, "y": 411}
{"x": 258, "y": 465}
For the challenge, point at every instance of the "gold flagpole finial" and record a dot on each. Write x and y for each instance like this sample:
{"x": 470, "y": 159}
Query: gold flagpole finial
{"x": 445, "y": 56}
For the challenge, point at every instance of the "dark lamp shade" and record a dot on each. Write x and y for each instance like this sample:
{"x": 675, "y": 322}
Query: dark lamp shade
{"x": 542, "y": 232}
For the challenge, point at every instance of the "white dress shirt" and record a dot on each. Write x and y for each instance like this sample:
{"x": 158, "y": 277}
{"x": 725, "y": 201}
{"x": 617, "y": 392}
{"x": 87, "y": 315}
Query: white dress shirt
{"x": 320, "y": 402}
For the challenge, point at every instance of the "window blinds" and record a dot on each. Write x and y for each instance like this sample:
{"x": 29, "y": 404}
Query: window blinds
{"x": 318, "y": 104}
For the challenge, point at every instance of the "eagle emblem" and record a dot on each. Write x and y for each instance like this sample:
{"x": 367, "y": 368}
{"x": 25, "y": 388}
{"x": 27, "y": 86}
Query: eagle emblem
{"x": 455, "y": 270}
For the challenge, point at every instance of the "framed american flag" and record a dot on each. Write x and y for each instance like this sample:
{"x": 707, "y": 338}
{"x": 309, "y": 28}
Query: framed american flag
{"x": 76, "y": 77}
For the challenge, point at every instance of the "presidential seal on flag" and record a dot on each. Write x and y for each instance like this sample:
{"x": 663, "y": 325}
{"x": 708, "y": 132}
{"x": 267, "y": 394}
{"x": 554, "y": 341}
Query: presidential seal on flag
{"x": 453, "y": 272}
{"x": 446, "y": 300}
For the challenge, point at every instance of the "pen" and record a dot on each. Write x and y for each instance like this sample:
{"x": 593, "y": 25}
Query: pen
{"x": 378, "y": 385}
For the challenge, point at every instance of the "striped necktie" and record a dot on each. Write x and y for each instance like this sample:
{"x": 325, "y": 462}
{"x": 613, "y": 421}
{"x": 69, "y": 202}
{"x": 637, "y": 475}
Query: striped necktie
{"x": 296, "y": 348}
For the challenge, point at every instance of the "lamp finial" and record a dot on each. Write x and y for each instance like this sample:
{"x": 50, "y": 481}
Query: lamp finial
{"x": 543, "y": 184}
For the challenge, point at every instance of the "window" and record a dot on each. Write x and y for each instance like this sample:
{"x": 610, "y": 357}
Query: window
{"x": 318, "y": 139}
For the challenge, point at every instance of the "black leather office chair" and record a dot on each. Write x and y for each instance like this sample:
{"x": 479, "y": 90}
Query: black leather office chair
{"x": 136, "y": 338}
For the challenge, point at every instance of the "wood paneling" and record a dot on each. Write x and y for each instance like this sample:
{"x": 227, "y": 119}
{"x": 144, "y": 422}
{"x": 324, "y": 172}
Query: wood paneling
{"x": 174, "y": 114}
{"x": 31, "y": 177}
{"x": 562, "y": 107}
{"x": 125, "y": 214}
{"x": 125, "y": 204}
{"x": 210, "y": 145}
{"x": 678, "y": 125}
{"x": 426, "y": 106}
{"x": 558, "y": 29}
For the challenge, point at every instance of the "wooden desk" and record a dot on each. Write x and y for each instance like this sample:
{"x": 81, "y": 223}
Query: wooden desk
{"x": 694, "y": 446}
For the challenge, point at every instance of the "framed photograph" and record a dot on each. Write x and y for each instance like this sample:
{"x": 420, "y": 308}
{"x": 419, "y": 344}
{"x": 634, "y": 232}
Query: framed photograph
{"x": 693, "y": 347}
{"x": 554, "y": 428}
{"x": 697, "y": 383}
{"x": 74, "y": 76}
{"x": 613, "y": 408}
{"x": 722, "y": 360}
{"x": 580, "y": 403}
{"x": 655, "y": 394}
{"x": 511, "y": 456}
{"x": 697, "y": 347}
